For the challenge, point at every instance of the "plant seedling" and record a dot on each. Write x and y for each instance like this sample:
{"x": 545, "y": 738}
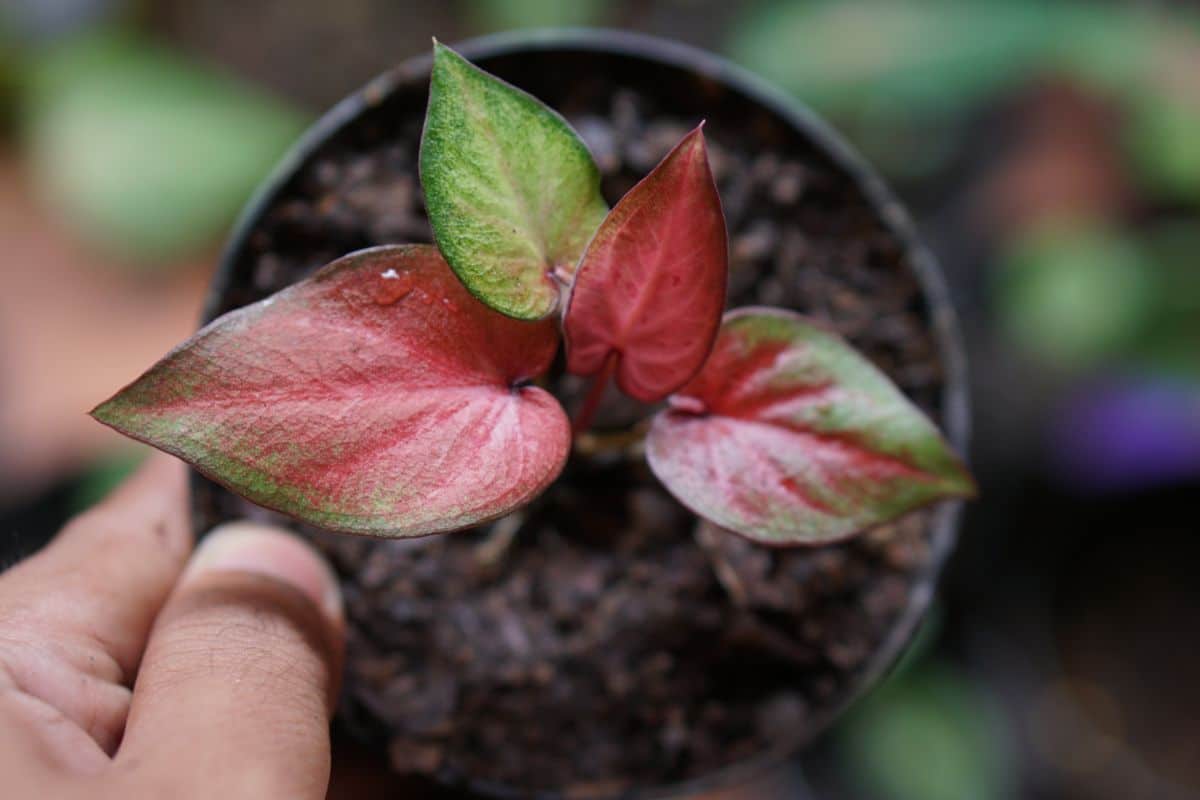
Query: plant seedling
{"x": 393, "y": 392}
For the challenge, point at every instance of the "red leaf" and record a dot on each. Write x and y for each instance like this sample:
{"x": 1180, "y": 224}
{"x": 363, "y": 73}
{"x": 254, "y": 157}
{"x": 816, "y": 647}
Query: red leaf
{"x": 788, "y": 436}
{"x": 376, "y": 397}
{"x": 651, "y": 284}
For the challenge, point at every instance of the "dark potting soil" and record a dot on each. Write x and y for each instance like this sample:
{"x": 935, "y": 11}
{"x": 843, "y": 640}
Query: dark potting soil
{"x": 601, "y": 638}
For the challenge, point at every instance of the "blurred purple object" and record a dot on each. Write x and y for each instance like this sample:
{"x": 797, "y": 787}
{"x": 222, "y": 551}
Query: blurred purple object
{"x": 1133, "y": 434}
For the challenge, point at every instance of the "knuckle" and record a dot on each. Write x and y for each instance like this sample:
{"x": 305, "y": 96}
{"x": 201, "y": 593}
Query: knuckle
{"x": 23, "y": 652}
{"x": 109, "y": 531}
{"x": 90, "y": 700}
{"x": 24, "y": 627}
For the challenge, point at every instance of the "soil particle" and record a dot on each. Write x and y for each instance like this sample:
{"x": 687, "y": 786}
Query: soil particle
{"x": 600, "y": 638}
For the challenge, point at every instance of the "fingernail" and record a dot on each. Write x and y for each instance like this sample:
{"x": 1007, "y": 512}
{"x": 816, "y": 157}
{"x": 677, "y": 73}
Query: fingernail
{"x": 274, "y": 553}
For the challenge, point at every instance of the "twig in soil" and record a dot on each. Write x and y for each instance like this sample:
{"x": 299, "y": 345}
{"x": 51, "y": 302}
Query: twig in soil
{"x": 491, "y": 550}
{"x": 748, "y": 628}
{"x": 727, "y": 576}
{"x": 630, "y": 443}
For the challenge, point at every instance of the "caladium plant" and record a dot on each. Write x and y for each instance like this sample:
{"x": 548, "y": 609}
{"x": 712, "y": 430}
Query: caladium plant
{"x": 395, "y": 392}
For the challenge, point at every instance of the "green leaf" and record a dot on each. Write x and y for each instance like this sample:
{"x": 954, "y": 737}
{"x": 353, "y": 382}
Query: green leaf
{"x": 1074, "y": 297}
{"x": 923, "y": 57}
{"x": 1163, "y": 134}
{"x": 145, "y": 155}
{"x": 788, "y": 436}
{"x": 1169, "y": 340}
{"x": 931, "y": 715}
{"x": 503, "y": 15}
{"x": 512, "y": 192}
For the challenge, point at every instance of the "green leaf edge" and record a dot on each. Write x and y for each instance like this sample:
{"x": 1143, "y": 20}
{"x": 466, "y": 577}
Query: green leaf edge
{"x": 441, "y": 52}
{"x": 965, "y": 488}
{"x": 117, "y": 413}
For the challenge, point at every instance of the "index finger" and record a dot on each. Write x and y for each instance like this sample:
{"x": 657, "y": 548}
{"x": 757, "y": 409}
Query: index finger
{"x": 95, "y": 590}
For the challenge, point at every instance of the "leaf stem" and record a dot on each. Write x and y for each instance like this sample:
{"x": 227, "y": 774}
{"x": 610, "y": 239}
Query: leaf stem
{"x": 591, "y": 403}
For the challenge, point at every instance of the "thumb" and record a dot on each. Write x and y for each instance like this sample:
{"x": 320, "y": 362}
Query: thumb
{"x": 237, "y": 682}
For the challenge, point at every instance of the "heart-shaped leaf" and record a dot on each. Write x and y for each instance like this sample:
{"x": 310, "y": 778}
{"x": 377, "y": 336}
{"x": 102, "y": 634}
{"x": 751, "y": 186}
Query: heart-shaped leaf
{"x": 651, "y": 286}
{"x": 376, "y": 397}
{"x": 512, "y": 192}
{"x": 788, "y": 436}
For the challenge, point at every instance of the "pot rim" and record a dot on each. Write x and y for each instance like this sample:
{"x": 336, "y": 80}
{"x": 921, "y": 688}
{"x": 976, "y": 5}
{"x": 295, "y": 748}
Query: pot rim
{"x": 955, "y": 413}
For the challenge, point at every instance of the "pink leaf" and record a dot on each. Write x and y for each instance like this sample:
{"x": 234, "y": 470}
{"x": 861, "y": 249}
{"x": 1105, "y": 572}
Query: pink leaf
{"x": 651, "y": 284}
{"x": 788, "y": 436}
{"x": 376, "y": 397}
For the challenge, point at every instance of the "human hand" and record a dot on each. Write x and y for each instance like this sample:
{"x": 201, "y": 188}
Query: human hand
{"x": 129, "y": 670}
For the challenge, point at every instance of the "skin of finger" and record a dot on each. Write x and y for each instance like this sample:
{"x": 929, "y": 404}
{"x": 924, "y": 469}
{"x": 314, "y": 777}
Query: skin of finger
{"x": 74, "y": 618}
{"x": 95, "y": 706}
{"x": 98, "y": 586}
{"x": 28, "y": 769}
{"x": 40, "y": 746}
{"x": 235, "y": 692}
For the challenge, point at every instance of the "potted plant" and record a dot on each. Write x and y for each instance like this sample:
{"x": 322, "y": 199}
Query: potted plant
{"x": 694, "y": 534}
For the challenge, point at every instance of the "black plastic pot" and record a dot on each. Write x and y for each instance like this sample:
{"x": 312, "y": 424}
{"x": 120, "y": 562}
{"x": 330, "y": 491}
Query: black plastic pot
{"x": 703, "y": 86}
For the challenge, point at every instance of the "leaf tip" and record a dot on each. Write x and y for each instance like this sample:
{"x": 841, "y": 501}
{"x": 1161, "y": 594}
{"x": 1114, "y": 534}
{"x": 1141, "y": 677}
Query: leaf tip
{"x": 445, "y": 57}
{"x": 695, "y": 137}
{"x": 693, "y": 150}
{"x": 123, "y": 416}
{"x": 955, "y": 480}
{"x": 103, "y": 412}
{"x": 961, "y": 483}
